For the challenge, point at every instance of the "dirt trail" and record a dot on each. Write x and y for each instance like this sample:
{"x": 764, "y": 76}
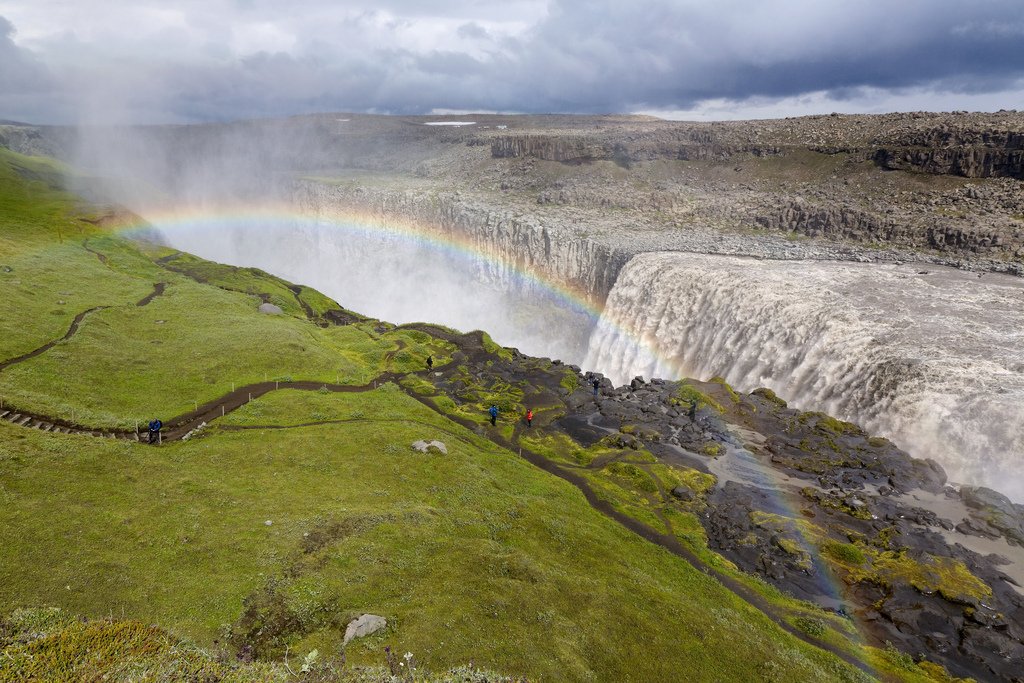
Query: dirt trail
{"x": 296, "y": 291}
{"x": 181, "y": 426}
{"x": 49, "y": 345}
{"x": 158, "y": 290}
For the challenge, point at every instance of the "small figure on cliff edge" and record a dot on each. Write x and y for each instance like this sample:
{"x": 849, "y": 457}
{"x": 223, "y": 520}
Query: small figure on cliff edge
{"x": 155, "y": 425}
{"x": 529, "y": 417}
{"x": 493, "y": 412}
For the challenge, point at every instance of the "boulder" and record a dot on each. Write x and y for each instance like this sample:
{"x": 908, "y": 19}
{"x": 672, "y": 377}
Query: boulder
{"x": 270, "y": 309}
{"x": 682, "y": 493}
{"x": 427, "y": 446}
{"x": 364, "y": 625}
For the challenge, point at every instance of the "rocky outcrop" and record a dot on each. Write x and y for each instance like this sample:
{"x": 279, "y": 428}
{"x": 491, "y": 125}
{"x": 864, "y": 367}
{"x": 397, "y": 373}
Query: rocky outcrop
{"x": 364, "y": 625}
{"x": 970, "y": 162}
{"x": 820, "y": 508}
{"x": 511, "y": 243}
{"x": 576, "y": 149}
{"x": 827, "y": 221}
{"x": 962, "y": 147}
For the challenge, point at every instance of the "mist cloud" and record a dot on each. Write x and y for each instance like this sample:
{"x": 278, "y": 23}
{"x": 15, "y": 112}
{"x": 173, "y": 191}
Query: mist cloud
{"x": 226, "y": 59}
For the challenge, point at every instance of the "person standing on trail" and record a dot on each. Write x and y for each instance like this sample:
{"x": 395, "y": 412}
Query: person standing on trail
{"x": 155, "y": 425}
{"x": 529, "y": 417}
{"x": 597, "y": 386}
{"x": 493, "y": 412}
{"x": 430, "y": 362}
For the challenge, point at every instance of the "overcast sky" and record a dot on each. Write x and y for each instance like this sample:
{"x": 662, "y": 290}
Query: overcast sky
{"x": 69, "y": 61}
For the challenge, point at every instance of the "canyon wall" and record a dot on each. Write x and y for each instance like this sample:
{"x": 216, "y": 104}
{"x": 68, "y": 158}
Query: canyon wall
{"x": 509, "y": 243}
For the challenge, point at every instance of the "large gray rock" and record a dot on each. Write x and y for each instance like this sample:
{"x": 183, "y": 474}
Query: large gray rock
{"x": 427, "y": 446}
{"x": 270, "y": 309}
{"x": 364, "y": 625}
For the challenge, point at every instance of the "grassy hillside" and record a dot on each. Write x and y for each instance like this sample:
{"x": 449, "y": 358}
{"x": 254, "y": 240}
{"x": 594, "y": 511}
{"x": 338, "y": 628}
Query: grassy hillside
{"x": 276, "y": 525}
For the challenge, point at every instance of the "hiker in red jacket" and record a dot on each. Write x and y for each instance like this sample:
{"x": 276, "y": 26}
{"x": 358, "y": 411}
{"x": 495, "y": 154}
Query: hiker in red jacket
{"x": 529, "y": 417}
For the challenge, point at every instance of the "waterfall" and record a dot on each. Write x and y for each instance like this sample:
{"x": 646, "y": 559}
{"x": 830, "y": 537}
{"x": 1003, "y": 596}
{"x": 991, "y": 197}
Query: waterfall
{"x": 398, "y": 278}
{"x": 934, "y": 360}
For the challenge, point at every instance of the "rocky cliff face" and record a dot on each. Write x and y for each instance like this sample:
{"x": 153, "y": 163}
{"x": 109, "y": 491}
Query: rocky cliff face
{"x": 33, "y": 140}
{"x": 839, "y": 221}
{"x": 964, "y": 150}
{"x": 508, "y": 241}
{"x": 970, "y": 162}
{"x": 575, "y": 149}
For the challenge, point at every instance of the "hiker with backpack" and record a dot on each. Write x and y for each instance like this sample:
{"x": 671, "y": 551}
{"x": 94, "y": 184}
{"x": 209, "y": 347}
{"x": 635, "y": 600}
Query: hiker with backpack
{"x": 155, "y": 425}
{"x": 493, "y": 412}
{"x": 529, "y": 417}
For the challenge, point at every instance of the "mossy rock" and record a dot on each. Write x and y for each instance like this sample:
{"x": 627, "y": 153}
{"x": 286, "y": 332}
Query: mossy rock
{"x": 770, "y": 396}
{"x": 728, "y": 389}
{"x": 829, "y": 425}
{"x": 687, "y": 393}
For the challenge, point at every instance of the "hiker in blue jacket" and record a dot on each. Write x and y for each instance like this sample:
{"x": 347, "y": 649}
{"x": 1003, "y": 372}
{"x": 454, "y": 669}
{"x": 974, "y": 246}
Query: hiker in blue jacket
{"x": 493, "y": 412}
{"x": 155, "y": 425}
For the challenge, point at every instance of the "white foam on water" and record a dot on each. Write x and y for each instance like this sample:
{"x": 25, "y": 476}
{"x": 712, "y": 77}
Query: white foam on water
{"x": 934, "y": 361}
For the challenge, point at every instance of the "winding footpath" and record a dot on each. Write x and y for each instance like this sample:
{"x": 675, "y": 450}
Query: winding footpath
{"x": 46, "y": 423}
{"x": 182, "y": 426}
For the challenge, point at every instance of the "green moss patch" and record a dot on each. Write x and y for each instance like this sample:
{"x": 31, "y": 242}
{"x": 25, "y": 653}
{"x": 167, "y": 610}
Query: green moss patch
{"x": 687, "y": 393}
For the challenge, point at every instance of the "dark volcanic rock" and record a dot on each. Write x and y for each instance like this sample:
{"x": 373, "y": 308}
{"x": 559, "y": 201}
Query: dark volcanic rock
{"x": 802, "y": 500}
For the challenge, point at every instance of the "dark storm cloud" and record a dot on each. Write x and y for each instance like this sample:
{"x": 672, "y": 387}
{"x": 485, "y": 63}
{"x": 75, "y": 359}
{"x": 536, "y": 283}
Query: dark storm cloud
{"x": 20, "y": 72}
{"x": 674, "y": 54}
{"x": 230, "y": 58}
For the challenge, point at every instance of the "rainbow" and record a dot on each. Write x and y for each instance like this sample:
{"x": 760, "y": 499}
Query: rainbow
{"x": 361, "y": 223}
{"x": 366, "y": 224}
{"x": 355, "y": 222}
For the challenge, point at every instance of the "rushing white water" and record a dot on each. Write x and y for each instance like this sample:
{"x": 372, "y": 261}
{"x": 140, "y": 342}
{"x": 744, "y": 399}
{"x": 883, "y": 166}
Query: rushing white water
{"x": 934, "y": 361}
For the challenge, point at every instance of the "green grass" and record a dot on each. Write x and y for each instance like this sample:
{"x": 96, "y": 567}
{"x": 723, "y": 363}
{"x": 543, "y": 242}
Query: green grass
{"x": 49, "y": 644}
{"x": 546, "y": 586}
{"x": 251, "y": 281}
{"x": 46, "y": 275}
{"x": 189, "y": 345}
{"x": 192, "y": 345}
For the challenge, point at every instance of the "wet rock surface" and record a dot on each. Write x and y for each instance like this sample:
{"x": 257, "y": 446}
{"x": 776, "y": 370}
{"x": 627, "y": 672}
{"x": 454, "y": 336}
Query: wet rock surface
{"x": 822, "y": 472}
{"x": 813, "y": 505}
